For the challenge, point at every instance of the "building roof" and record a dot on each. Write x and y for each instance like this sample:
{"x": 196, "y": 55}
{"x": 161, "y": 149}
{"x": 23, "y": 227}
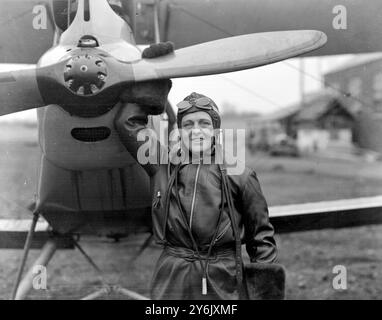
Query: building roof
{"x": 357, "y": 60}
{"x": 277, "y": 115}
{"x": 315, "y": 105}
{"x": 318, "y": 103}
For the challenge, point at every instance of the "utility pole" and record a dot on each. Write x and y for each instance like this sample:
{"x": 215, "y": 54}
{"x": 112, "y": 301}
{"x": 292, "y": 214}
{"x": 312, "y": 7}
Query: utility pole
{"x": 302, "y": 81}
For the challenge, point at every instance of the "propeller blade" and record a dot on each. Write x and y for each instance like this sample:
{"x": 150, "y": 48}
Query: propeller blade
{"x": 229, "y": 54}
{"x": 90, "y": 77}
{"x": 19, "y": 91}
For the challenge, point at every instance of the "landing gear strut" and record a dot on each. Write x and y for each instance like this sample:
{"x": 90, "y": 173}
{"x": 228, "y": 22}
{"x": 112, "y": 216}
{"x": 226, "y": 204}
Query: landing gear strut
{"x": 23, "y": 286}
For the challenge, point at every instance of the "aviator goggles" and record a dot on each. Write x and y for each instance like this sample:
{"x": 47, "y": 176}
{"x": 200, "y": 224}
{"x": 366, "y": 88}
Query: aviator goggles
{"x": 202, "y": 103}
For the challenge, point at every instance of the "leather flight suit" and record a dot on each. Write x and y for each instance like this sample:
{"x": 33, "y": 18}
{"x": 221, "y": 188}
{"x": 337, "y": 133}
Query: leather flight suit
{"x": 178, "y": 272}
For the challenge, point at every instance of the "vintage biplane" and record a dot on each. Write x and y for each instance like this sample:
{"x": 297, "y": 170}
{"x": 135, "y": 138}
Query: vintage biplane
{"x": 74, "y": 57}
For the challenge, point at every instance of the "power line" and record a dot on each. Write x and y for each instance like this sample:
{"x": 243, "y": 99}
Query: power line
{"x": 252, "y": 92}
{"x": 180, "y": 8}
{"x": 343, "y": 93}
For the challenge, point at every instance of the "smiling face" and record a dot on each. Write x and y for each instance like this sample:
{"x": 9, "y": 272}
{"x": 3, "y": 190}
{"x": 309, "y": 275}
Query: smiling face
{"x": 197, "y": 132}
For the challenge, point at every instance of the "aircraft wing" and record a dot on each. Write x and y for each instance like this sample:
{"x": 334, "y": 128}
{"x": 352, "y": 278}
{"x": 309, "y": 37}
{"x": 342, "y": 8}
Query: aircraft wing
{"x": 26, "y": 30}
{"x": 352, "y": 26}
{"x": 335, "y": 214}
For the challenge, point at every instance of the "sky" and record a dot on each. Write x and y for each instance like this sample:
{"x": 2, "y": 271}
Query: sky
{"x": 261, "y": 90}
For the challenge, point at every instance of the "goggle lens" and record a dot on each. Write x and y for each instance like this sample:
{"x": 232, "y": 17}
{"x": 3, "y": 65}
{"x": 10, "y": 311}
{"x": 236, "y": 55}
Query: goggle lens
{"x": 202, "y": 103}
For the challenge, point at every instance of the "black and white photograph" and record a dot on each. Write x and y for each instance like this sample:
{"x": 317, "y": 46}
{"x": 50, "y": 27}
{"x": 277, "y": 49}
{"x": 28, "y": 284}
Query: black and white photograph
{"x": 199, "y": 153}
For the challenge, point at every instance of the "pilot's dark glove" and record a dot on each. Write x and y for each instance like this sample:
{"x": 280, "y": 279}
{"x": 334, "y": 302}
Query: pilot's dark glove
{"x": 152, "y": 95}
{"x": 265, "y": 281}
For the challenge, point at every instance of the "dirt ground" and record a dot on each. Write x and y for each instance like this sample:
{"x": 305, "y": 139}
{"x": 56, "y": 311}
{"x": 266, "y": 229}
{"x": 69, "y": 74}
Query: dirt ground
{"x": 309, "y": 257}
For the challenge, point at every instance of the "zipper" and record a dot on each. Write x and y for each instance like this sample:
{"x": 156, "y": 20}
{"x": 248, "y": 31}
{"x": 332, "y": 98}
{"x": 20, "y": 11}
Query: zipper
{"x": 222, "y": 233}
{"x": 157, "y": 200}
{"x": 194, "y": 196}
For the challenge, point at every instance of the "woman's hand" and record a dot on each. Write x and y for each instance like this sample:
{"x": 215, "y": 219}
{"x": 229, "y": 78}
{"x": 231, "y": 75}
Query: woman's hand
{"x": 151, "y": 95}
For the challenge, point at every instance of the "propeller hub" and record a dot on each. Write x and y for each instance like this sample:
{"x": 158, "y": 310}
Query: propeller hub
{"x": 85, "y": 74}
